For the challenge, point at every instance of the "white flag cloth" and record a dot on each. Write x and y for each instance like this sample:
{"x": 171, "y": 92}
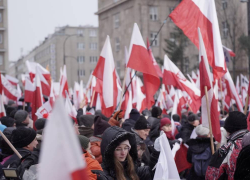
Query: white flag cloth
{"x": 61, "y": 155}
{"x": 165, "y": 168}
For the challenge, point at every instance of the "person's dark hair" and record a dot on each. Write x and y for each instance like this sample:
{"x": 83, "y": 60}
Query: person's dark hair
{"x": 7, "y": 121}
{"x": 119, "y": 170}
{"x": 156, "y": 111}
{"x": 9, "y": 109}
{"x": 176, "y": 118}
{"x": 12, "y": 114}
{"x": 190, "y": 112}
{"x": 40, "y": 123}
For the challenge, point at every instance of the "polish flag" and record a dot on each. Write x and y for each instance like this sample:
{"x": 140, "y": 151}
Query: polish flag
{"x": 58, "y": 144}
{"x": 70, "y": 109}
{"x": 23, "y": 77}
{"x": 75, "y": 95}
{"x": 37, "y": 101}
{"x": 173, "y": 76}
{"x": 2, "y": 109}
{"x": 8, "y": 89}
{"x": 228, "y": 53}
{"x": 191, "y": 14}
{"x": 19, "y": 91}
{"x": 12, "y": 80}
{"x": 105, "y": 72}
{"x": 206, "y": 80}
{"x": 140, "y": 60}
{"x": 52, "y": 96}
{"x": 63, "y": 82}
{"x": 139, "y": 98}
{"x": 244, "y": 87}
{"x": 231, "y": 91}
{"x": 194, "y": 77}
{"x": 238, "y": 85}
{"x": 157, "y": 68}
{"x": 29, "y": 91}
{"x": 44, "y": 75}
{"x": 129, "y": 105}
{"x": 190, "y": 79}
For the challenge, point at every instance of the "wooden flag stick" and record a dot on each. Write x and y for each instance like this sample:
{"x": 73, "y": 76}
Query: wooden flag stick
{"x": 222, "y": 104}
{"x": 93, "y": 96}
{"x": 11, "y": 146}
{"x": 123, "y": 88}
{"x": 232, "y": 105}
{"x": 190, "y": 107}
{"x": 246, "y": 104}
{"x": 23, "y": 105}
{"x": 209, "y": 120}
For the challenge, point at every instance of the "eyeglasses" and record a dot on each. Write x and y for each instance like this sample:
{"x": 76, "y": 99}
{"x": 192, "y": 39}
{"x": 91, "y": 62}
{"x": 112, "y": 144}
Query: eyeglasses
{"x": 122, "y": 149}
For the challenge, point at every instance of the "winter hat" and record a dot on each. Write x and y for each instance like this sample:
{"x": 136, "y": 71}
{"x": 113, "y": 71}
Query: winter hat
{"x": 99, "y": 113}
{"x": 86, "y": 120}
{"x": 9, "y": 109}
{"x": 246, "y": 140}
{"x": 40, "y": 123}
{"x": 7, "y": 121}
{"x": 100, "y": 125}
{"x": 11, "y": 102}
{"x": 193, "y": 117}
{"x": 142, "y": 123}
{"x": 84, "y": 141}
{"x": 20, "y": 115}
{"x": 165, "y": 121}
{"x": 146, "y": 112}
{"x": 176, "y": 117}
{"x": 156, "y": 111}
{"x": 126, "y": 142}
{"x": 22, "y": 137}
{"x": 235, "y": 121}
{"x": 201, "y": 130}
{"x": 134, "y": 114}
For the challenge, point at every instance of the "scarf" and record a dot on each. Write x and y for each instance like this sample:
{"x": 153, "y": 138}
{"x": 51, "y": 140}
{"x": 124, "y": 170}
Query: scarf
{"x": 169, "y": 135}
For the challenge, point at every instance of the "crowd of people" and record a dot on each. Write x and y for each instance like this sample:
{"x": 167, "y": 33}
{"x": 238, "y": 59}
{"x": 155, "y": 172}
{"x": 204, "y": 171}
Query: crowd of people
{"x": 128, "y": 149}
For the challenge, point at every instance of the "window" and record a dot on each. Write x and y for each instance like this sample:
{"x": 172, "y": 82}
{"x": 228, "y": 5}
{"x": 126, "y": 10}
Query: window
{"x": 1, "y": 59}
{"x": 116, "y": 21}
{"x": 153, "y": 35}
{"x": 225, "y": 29}
{"x": 80, "y": 59}
{"x": 153, "y": 13}
{"x": 117, "y": 44}
{"x": 1, "y": 38}
{"x": 80, "y": 32}
{"x": 92, "y": 33}
{"x": 93, "y": 46}
{"x": 93, "y": 59}
{"x": 80, "y": 45}
{"x": 186, "y": 64}
{"x": 81, "y": 72}
{"x": 224, "y": 4}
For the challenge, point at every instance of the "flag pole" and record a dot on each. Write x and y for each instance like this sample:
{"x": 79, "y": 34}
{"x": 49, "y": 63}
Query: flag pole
{"x": 209, "y": 120}
{"x": 23, "y": 105}
{"x": 246, "y": 104}
{"x": 93, "y": 96}
{"x": 123, "y": 88}
{"x": 11, "y": 146}
{"x": 222, "y": 104}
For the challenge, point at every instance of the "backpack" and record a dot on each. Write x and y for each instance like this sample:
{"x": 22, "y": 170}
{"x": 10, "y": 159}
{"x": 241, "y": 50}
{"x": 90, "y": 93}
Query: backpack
{"x": 201, "y": 161}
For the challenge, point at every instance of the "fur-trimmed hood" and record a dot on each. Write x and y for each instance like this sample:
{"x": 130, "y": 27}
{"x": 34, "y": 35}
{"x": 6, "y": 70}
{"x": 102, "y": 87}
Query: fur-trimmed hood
{"x": 111, "y": 138}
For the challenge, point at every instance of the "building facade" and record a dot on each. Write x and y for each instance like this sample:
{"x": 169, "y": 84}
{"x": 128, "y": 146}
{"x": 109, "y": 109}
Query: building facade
{"x": 116, "y": 19}
{"x": 76, "y": 46}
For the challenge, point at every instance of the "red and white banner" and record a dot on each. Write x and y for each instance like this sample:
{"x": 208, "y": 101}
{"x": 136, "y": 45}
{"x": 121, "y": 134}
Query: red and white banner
{"x": 12, "y": 80}
{"x": 8, "y": 89}
{"x": 29, "y": 91}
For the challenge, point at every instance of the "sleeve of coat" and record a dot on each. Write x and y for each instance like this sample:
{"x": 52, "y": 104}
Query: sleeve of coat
{"x": 113, "y": 122}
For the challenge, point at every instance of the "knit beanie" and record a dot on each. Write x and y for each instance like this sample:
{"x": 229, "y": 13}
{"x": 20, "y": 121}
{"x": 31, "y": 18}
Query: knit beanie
{"x": 86, "y": 120}
{"x": 156, "y": 111}
{"x": 176, "y": 117}
{"x": 235, "y": 121}
{"x": 7, "y": 121}
{"x": 193, "y": 117}
{"x": 40, "y": 123}
{"x": 201, "y": 130}
{"x": 100, "y": 125}
{"x": 142, "y": 123}
{"x": 134, "y": 114}
{"x": 165, "y": 121}
{"x": 22, "y": 137}
{"x": 20, "y": 116}
{"x": 84, "y": 141}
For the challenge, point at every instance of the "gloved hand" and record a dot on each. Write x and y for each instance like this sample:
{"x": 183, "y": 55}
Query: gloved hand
{"x": 116, "y": 118}
{"x": 176, "y": 147}
{"x": 157, "y": 146}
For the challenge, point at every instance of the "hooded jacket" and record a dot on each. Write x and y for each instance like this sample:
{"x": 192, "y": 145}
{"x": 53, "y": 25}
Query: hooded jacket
{"x": 111, "y": 138}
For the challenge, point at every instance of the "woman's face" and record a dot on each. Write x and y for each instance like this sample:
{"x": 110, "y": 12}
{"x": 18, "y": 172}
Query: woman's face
{"x": 121, "y": 152}
{"x": 167, "y": 128}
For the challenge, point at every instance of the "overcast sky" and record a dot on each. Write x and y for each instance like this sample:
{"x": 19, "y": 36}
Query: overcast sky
{"x": 30, "y": 21}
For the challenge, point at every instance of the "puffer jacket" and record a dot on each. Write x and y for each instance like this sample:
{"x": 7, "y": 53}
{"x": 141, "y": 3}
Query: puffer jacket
{"x": 92, "y": 164}
{"x": 96, "y": 147}
{"x": 111, "y": 138}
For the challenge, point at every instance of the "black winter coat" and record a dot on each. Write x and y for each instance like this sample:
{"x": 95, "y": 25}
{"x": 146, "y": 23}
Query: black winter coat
{"x": 111, "y": 138}
{"x": 128, "y": 124}
{"x": 186, "y": 131}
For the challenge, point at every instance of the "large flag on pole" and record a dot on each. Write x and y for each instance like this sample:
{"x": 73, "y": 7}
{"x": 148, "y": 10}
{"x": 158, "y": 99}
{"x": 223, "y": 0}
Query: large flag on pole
{"x": 29, "y": 91}
{"x": 140, "y": 60}
{"x": 191, "y": 14}
{"x": 61, "y": 155}
{"x": 63, "y": 83}
{"x": 8, "y": 89}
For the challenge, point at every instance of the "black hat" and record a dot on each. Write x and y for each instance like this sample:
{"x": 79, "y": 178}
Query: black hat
{"x": 7, "y": 121}
{"x": 142, "y": 123}
{"x": 20, "y": 116}
{"x": 193, "y": 117}
{"x": 100, "y": 125}
{"x": 86, "y": 120}
{"x": 134, "y": 114}
{"x": 22, "y": 137}
{"x": 235, "y": 121}
{"x": 156, "y": 111}
{"x": 176, "y": 117}
{"x": 40, "y": 123}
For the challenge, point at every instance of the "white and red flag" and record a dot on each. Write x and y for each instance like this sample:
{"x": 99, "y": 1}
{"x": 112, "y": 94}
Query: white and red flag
{"x": 105, "y": 72}
{"x": 228, "y": 53}
{"x": 9, "y": 90}
{"x": 52, "y": 96}
{"x": 63, "y": 82}
{"x": 194, "y": 77}
{"x": 29, "y": 91}
{"x": 140, "y": 60}
{"x": 12, "y": 80}
{"x": 238, "y": 85}
{"x": 61, "y": 155}
{"x": 173, "y": 76}
{"x": 139, "y": 97}
{"x": 44, "y": 76}
{"x": 70, "y": 109}
{"x": 191, "y": 14}
{"x": 206, "y": 81}
{"x": 2, "y": 109}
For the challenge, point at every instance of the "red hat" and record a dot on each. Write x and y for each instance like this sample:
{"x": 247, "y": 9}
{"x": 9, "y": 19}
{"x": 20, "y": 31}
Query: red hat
{"x": 165, "y": 121}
